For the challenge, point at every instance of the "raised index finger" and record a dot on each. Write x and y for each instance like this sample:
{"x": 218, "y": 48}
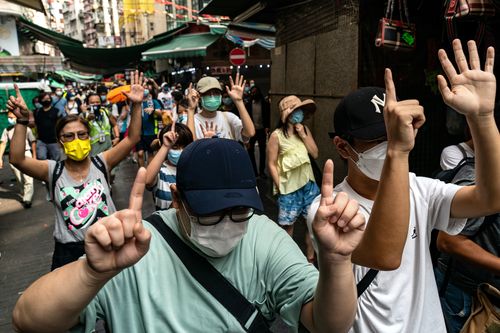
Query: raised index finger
{"x": 390, "y": 89}
{"x": 172, "y": 129}
{"x": 18, "y": 92}
{"x": 135, "y": 201}
{"x": 327, "y": 183}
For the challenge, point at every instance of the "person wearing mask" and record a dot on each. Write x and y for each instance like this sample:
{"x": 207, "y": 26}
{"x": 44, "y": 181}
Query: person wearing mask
{"x": 45, "y": 120}
{"x": 227, "y": 104}
{"x": 128, "y": 261}
{"x": 102, "y": 125}
{"x": 161, "y": 172}
{"x": 182, "y": 111}
{"x": 151, "y": 114}
{"x": 374, "y": 133}
{"x": 72, "y": 106}
{"x": 25, "y": 181}
{"x": 102, "y": 91}
{"x": 259, "y": 111}
{"x": 79, "y": 185}
{"x": 471, "y": 257}
{"x": 165, "y": 97}
{"x": 210, "y": 122}
{"x": 59, "y": 102}
{"x": 289, "y": 165}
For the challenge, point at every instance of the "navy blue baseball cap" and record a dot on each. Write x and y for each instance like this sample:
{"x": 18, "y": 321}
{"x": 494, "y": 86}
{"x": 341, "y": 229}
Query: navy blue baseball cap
{"x": 216, "y": 174}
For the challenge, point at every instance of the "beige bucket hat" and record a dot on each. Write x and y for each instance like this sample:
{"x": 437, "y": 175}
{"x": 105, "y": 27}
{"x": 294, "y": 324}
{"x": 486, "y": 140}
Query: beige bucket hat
{"x": 291, "y": 103}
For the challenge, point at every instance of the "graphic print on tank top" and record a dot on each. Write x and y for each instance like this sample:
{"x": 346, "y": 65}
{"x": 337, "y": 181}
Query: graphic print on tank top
{"x": 84, "y": 204}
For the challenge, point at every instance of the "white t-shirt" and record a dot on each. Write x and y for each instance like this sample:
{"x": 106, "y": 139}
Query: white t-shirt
{"x": 451, "y": 155}
{"x": 166, "y": 100}
{"x": 8, "y": 134}
{"x": 406, "y": 299}
{"x": 229, "y": 126}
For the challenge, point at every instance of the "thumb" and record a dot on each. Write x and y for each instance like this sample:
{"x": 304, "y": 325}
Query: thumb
{"x": 137, "y": 193}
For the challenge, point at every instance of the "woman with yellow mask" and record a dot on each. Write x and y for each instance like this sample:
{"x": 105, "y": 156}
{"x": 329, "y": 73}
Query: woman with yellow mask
{"x": 78, "y": 186}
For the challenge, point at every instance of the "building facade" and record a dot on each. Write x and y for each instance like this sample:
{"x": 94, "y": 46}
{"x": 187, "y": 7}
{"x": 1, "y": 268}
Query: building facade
{"x": 101, "y": 24}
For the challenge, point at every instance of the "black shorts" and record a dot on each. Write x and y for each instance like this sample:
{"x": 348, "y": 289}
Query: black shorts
{"x": 64, "y": 253}
{"x": 145, "y": 143}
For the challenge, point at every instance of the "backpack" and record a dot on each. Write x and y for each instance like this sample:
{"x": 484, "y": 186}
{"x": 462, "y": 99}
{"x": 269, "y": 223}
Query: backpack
{"x": 448, "y": 176}
{"x": 58, "y": 170}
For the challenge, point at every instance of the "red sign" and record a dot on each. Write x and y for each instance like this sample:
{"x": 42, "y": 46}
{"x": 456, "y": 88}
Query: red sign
{"x": 237, "y": 56}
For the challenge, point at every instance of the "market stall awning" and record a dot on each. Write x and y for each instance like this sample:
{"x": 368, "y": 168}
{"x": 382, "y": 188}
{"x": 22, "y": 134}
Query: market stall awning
{"x": 68, "y": 75}
{"x": 45, "y": 35}
{"x": 30, "y": 64}
{"x": 95, "y": 60}
{"x": 182, "y": 46}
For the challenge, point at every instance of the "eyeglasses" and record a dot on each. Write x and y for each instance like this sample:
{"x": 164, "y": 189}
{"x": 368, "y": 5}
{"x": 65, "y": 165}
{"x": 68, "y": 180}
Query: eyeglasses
{"x": 68, "y": 137}
{"x": 236, "y": 214}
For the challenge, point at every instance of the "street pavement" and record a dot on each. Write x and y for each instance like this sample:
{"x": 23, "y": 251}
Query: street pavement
{"x": 26, "y": 242}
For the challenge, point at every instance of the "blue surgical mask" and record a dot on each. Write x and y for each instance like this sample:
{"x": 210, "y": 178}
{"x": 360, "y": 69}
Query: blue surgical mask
{"x": 247, "y": 89}
{"x": 211, "y": 103}
{"x": 12, "y": 121}
{"x": 103, "y": 98}
{"x": 182, "y": 119}
{"x": 227, "y": 101}
{"x": 297, "y": 116}
{"x": 146, "y": 92}
{"x": 174, "y": 155}
{"x": 38, "y": 105}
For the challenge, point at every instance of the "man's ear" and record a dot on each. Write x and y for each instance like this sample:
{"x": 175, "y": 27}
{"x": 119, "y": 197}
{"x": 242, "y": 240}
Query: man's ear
{"x": 342, "y": 147}
{"x": 176, "y": 200}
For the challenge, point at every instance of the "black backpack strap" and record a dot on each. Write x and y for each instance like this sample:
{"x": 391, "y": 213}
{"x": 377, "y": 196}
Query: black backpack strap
{"x": 249, "y": 316}
{"x": 99, "y": 164}
{"x": 462, "y": 149}
{"x": 366, "y": 281}
{"x": 56, "y": 173}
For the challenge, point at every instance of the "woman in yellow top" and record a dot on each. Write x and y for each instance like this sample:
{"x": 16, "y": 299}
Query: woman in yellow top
{"x": 290, "y": 166}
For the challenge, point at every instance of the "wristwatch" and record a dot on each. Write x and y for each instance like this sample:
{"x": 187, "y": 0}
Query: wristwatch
{"x": 24, "y": 122}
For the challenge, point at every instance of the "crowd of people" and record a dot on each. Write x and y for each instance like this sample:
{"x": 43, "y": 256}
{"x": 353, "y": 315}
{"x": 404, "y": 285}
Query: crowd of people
{"x": 206, "y": 256}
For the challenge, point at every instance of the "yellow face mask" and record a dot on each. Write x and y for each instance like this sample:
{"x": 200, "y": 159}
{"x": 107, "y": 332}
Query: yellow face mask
{"x": 77, "y": 149}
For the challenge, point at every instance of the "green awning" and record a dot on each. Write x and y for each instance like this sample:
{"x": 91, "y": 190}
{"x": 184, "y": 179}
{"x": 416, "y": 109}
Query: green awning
{"x": 72, "y": 76}
{"x": 182, "y": 46}
{"x": 45, "y": 35}
{"x": 95, "y": 60}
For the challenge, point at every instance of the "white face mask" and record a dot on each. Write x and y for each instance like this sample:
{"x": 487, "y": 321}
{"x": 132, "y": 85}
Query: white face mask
{"x": 219, "y": 239}
{"x": 371, "y": 162}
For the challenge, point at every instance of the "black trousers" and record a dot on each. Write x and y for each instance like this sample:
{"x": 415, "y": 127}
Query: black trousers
{"x": 260, "y": 137}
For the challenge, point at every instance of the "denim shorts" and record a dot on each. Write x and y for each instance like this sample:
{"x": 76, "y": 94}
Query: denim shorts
{"x": 294, "y": 204}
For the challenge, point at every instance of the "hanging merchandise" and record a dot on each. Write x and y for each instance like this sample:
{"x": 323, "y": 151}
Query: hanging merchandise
{"x": 467, "y": 10}
{"x": 398, "y": 35}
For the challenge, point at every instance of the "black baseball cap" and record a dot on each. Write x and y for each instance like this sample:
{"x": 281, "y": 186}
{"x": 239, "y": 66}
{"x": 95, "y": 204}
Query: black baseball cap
{"x": 361, "y": 115}
{"x": 216, "y": 174}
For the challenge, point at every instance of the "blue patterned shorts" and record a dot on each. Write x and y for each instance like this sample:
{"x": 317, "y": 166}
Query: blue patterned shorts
{"x": 294, "y": 204}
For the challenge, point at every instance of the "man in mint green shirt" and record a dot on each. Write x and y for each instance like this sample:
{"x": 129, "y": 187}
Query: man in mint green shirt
{"x": 133, "y": 280}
